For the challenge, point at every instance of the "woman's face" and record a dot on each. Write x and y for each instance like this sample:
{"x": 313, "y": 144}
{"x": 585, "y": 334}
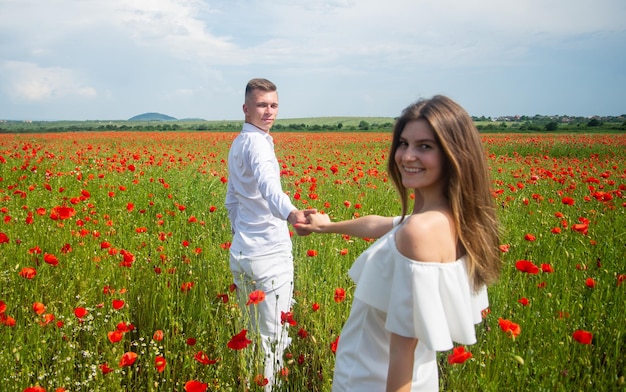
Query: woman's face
{"x": 419, "y": 156}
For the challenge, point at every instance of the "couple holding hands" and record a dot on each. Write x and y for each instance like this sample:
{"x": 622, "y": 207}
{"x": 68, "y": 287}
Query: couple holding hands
{"x": 420, "y": 287}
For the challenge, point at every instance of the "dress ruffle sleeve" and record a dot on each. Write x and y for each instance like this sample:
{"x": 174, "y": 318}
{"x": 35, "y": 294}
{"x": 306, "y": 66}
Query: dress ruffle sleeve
{"x": 432, "y": 302}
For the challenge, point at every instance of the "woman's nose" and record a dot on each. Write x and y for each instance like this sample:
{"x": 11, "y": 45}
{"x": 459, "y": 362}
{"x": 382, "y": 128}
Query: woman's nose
{"x": 409, "y": 154}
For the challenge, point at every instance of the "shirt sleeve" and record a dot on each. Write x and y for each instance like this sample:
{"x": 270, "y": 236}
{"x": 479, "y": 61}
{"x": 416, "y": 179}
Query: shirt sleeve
{"x": 264, "y": 165}
{"x": 231, "y": 204}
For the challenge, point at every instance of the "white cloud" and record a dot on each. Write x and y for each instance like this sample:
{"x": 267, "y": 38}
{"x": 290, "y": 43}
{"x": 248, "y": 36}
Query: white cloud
{"x": 175, "y": 27}
{"x": 184, "y": 92}
{"x": 195, "y": 55}
{"x": 29, "y": 82}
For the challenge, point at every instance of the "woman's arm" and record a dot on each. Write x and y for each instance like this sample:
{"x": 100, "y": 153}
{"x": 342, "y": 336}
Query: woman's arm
{"x": 370, "y": 226}
{"x": 400, "y": 372}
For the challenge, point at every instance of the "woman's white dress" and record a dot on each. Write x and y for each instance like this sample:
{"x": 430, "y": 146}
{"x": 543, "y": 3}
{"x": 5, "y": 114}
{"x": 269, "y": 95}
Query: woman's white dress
{"x": 432, "y": 302}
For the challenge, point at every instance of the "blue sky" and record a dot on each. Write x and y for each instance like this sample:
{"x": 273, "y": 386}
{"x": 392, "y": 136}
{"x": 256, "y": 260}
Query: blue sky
{"x": 113, "y": 59}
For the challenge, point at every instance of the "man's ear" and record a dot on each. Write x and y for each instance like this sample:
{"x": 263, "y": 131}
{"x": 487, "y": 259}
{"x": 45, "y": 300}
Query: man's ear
{"x": 245, "y": 108}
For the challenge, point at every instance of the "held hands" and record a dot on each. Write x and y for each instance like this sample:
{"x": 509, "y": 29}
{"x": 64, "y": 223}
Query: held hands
{"x": 316, "y": 223}
{"x": 297, "y": 217}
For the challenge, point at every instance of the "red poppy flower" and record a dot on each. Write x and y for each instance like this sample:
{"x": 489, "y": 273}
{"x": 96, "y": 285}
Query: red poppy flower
{"x": 547, "y": 268}
{"x": 590, "y": 282}
{"x": 160, "y": 363}
{"x": 509, "y": 327}
{"x": 128, "y": 258}
{"x": 195, "y": 386}
{"x": 459, "y": 355}
{"x": 526, "y": 266}
{"x": 223, "y": 297}
{"x": 260, "y": 380}
{"x": 568, "y": 201}
{"x": 204, "y": 359}
{"x": 62, "y": 212}
{"x": 530, "y": 237}
{"x": 36, "y": 388}
{"x": 7, "y": 320}
{"x": 315, "y": 306}
{"x": 333, "y": 345}
{"x": 302, "y": 333}
{"x": 158, "y": 335}
{"x": 80, "y": 312}
{"x": 4, "y": 239}
{"x": 104, "y": 368}
{"x": 524, "y": 301}
{"x": 128, "y": 359}
{"x": 118, "y": 304}
{"x": 114, "y": 336}
{"x": 239, "y": 341}
{"x": 50, "y": 259}
{"x": 191, "y": 341}
{"x": 287, "y": 317}
{"x": 39, "y": 308}
{"x": 3, "y": 307}
{"x": 582, "y": 228}
{"x": 340, "y": 294}
{"x": 311, "y": 253}
{"x": 582, "y": 336}
{"x": 504, "y": 248}
{"x": 256, "y": 297}
{"x": 28, "y": 272}
{"x": 124, "y": 327}
{"x": 47, "y": 319}
{"x": 343, "y": 252}
{"x": 65, "y": 249}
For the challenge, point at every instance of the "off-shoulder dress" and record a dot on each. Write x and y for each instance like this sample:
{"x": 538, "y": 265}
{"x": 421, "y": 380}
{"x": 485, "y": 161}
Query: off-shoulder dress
{"x": 432, "y": 302}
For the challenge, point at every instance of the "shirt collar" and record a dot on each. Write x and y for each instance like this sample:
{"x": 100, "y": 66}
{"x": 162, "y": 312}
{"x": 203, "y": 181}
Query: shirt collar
{"x": 247, "y": 127}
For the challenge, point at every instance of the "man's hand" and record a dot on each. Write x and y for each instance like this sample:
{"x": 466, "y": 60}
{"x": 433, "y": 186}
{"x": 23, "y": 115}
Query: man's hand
{"x": 300, "y": 216}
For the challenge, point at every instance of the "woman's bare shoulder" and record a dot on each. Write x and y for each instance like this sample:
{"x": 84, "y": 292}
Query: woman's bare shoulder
{"x": 427, "y": 237}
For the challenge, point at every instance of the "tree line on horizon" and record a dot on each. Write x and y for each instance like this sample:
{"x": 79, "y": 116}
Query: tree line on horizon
{"x": 537, "y": 123}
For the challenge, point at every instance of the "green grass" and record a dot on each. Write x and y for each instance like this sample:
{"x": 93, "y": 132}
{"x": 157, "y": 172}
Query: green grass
{"x": 180, "y": 274}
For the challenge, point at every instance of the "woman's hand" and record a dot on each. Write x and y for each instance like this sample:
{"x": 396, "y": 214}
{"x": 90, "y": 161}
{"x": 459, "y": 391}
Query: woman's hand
{"x": 316, "y": 223}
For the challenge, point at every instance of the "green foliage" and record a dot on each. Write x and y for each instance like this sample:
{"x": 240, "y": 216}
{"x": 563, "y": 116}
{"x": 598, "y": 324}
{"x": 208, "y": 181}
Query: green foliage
{"x": 159, "y": 196}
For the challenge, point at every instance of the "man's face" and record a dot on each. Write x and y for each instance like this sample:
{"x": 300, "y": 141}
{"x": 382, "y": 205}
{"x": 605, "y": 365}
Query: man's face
{"x": 261, "y": 108}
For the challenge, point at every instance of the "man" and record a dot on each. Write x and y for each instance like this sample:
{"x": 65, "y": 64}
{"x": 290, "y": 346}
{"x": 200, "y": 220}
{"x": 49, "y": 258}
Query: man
{"x": 261, "y": 250}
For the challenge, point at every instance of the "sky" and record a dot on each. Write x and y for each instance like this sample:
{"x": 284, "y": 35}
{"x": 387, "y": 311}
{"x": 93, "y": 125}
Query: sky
{"x": 114, "y": 59}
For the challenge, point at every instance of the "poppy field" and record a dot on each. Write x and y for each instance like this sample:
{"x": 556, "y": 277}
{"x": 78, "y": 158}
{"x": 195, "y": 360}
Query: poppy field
{"x": 114, "y": 254}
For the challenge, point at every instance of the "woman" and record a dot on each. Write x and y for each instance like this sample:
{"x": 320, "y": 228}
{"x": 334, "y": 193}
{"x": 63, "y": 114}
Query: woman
{"x": 422, "y": 285}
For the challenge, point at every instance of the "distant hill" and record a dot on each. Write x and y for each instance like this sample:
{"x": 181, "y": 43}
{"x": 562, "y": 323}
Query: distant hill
{"x": 152, "y": 117}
